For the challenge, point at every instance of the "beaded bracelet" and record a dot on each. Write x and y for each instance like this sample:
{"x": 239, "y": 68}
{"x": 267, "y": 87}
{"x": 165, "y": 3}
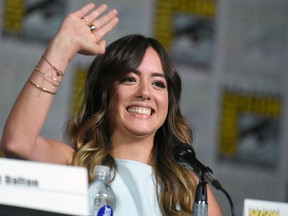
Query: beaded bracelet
{"x": 45, "y": 76}
{"x": 41, "y": 88}
{"x": 58, "y": 72}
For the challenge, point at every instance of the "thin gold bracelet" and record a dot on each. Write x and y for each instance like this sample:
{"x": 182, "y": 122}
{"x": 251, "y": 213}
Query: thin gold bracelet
{"x": 45, "y": 76}
{"x": 41, "y": 88}
{"x": 58, "y": 72}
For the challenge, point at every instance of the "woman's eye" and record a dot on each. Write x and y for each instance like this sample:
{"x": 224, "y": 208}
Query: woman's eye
{"x": 160, "y": 84}
{"x": 128, "y": 80}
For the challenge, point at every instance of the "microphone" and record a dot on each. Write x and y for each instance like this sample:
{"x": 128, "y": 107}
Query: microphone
{"x": 185, "y": 156}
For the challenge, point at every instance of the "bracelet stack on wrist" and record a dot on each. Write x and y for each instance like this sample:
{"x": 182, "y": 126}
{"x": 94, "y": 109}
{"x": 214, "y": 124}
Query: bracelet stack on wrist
{"x": 50, "y": 76}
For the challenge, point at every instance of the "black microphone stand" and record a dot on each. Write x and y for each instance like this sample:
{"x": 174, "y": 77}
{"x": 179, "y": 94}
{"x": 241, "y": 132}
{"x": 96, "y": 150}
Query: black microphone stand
{"x": 185, "y": 156}
{"x": 200, "y": 207}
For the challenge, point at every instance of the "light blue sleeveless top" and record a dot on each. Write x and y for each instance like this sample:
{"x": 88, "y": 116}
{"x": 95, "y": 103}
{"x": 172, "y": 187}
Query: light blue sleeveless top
{"x": 135, "y": 190}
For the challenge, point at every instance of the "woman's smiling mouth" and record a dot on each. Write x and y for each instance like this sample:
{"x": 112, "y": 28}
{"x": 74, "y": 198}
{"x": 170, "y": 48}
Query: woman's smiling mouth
{"x": 140, "y": 110}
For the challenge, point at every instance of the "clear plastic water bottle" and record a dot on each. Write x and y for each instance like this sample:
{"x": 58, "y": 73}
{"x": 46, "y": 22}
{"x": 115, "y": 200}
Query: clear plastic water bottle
{"x": 101, "y": 196}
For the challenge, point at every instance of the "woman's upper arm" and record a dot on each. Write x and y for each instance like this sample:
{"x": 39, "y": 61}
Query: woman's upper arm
{"x": 42, "y": 150}
{"x": 213, "y": 206}
{"x": 54, "y": 152}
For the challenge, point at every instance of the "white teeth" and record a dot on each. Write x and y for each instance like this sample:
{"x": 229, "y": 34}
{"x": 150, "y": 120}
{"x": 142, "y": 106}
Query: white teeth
{"x": 143, "y": 111}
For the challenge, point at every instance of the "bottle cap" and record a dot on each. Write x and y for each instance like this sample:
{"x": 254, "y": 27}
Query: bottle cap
{"x": 101, "y": 170}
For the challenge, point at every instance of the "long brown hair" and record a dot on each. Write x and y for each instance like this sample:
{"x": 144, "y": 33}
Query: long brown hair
{"x": 89, "y": 129}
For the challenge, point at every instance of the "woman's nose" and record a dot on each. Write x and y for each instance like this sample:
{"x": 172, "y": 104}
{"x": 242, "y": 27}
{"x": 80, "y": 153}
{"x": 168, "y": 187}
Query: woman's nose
{"x": 143, "y": 91}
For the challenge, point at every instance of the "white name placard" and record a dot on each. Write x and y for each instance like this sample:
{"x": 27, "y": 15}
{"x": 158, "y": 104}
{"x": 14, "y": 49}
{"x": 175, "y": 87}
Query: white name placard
{"x": 254, "y": 207}
{"x": 42, "y": 186}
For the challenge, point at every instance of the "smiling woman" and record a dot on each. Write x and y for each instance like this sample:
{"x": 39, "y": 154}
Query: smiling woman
{"x": 139, "y": 104}
{"x": 130, "y": 119}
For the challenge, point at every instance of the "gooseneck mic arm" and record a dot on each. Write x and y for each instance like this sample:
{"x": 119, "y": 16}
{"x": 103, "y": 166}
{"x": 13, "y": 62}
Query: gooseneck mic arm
{"x": 184, "y": 155}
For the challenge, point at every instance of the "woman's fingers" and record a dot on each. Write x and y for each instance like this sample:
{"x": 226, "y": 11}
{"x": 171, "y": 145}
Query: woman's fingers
{"x": 93, "y": 15}
{"x": 106, "y": 19}
{"x": 87, "y": 27}
{"x": 105, "y": 28}
{"x": 84, "y": 10}
{"x": 96, "y": 17}
{"x": 99, "y": 23}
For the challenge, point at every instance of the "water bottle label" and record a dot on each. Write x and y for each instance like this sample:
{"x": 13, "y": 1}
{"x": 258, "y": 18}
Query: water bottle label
{"x": 105, "y": 211}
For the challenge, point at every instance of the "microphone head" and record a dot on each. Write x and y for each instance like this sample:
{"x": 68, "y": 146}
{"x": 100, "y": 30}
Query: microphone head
{"x": 181, "y": 150}
{"x": 184, "y": 155}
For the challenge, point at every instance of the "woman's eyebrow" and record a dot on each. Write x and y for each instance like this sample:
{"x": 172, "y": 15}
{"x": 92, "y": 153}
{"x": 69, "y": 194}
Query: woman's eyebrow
{"x": 154, "y": 74}
{"x": 158, "y": 74}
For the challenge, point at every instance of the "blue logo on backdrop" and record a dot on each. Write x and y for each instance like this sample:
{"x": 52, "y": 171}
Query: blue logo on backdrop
{"x": 105, "y": 211}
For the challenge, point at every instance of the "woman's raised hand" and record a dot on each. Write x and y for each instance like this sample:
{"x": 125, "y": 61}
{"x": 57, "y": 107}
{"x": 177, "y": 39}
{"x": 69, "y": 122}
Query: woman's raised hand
{"x": 83, "y": 31}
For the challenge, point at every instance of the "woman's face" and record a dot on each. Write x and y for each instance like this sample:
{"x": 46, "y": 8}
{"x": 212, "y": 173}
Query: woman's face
{"x": 139, "y": 103}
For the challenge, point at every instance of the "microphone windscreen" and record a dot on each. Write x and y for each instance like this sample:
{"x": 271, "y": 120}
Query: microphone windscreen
{"x": 182, "y": 149}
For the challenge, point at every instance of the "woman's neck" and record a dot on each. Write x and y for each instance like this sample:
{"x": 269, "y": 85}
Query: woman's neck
{"x": 137, "y": 149}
